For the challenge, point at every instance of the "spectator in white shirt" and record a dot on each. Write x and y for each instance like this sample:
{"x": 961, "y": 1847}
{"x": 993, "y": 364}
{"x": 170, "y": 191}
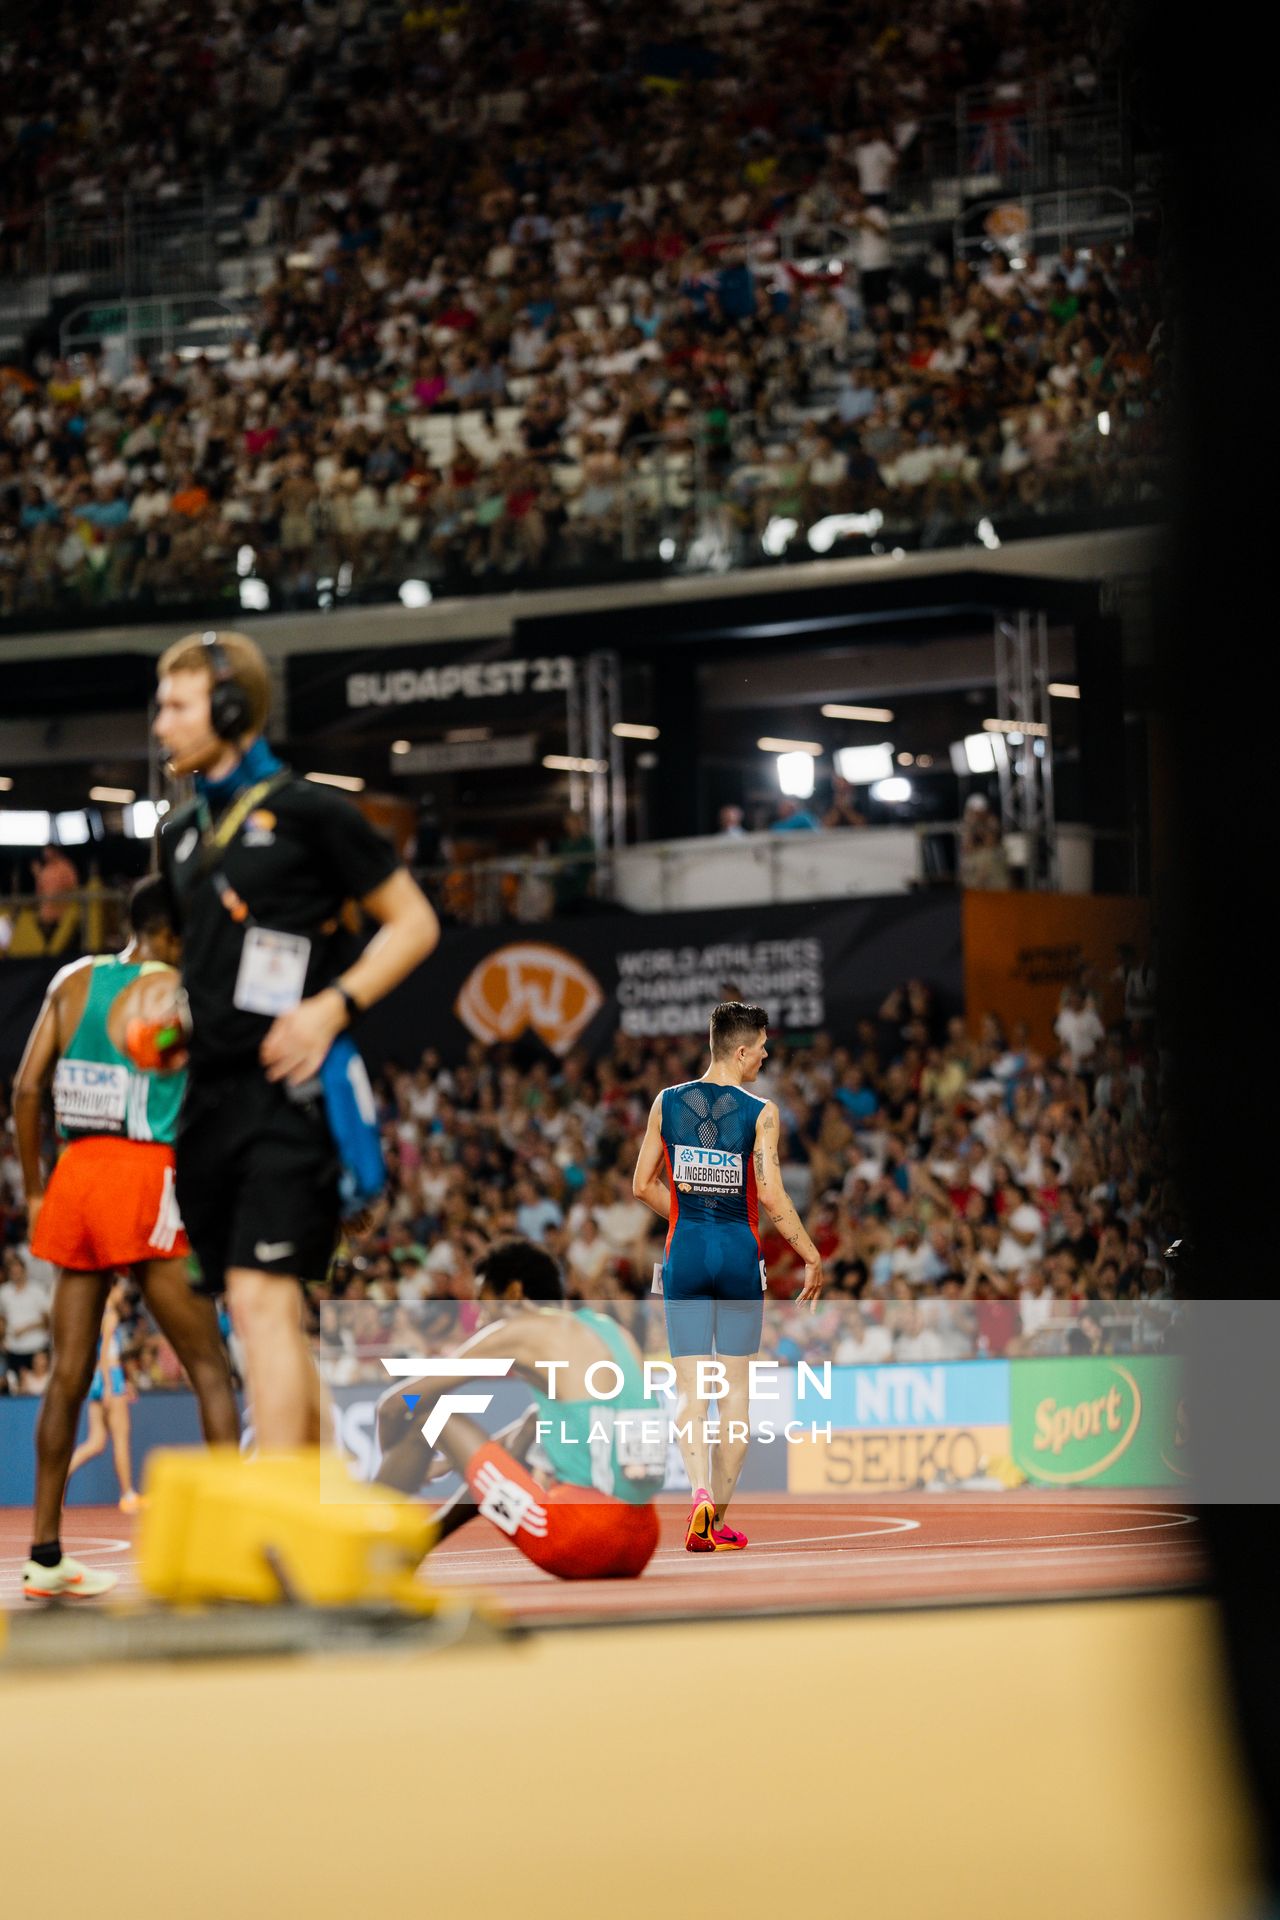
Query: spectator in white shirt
{"x": 1079, "y": 1029}
{"x": 876, "y": 161}
{"x": 1022, "y": 1232}
{"x": 588, "y": 1258}
{"x": 24, "y": 1316}
{"x": 915, "y": 1339}
{"x": 864, "y": 1342}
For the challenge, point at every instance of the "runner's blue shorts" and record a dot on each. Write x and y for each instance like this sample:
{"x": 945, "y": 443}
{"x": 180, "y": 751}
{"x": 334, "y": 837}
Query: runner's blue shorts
{"x": 713, "y": 1290}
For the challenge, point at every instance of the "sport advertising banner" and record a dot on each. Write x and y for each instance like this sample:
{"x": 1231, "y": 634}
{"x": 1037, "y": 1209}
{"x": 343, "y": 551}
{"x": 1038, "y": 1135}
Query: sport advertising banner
{"x": 1103, "y": 1422}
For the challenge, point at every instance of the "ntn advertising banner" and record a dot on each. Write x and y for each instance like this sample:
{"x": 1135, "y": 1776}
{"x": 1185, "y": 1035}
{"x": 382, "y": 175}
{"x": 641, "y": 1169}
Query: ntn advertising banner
{"x": 960, "y": 1393}
{"x": 1104, "y": 1421}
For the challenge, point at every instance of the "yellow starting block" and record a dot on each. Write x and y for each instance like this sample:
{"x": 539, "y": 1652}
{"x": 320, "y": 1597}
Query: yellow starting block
{"x": 281, "y": 1526}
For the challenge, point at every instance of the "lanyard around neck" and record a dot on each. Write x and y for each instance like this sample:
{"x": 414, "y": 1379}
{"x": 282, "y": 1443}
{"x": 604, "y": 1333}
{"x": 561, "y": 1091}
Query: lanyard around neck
{"x": 216, "y": 837}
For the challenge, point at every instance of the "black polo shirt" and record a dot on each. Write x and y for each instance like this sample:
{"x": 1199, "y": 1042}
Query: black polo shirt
{"x": 301, "y": 853}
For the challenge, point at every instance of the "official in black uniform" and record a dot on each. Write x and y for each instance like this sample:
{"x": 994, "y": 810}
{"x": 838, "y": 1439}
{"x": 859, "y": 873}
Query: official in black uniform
{"x": 259, "y": 867}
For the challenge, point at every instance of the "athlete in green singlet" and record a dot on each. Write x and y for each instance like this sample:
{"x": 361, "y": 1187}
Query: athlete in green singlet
{"x": 109, "y": 1205}
{"x": 572, "y": 1483}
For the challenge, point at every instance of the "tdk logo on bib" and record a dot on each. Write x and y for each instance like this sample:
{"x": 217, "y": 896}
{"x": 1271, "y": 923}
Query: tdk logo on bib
{"x": 90, "y": 1090}
{"x": 706, "y": 1169}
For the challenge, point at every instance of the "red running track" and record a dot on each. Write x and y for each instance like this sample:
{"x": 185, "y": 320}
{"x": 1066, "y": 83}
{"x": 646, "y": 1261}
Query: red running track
{"x": 906, "y": 1550}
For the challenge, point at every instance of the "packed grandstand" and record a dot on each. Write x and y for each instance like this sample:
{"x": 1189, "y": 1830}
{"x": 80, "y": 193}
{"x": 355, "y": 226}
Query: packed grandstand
{"x": 543, "y": 288}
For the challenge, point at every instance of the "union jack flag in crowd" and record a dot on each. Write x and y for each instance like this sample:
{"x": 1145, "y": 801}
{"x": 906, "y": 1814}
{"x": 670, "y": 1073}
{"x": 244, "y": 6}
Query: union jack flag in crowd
{"x": 998, "y": 139}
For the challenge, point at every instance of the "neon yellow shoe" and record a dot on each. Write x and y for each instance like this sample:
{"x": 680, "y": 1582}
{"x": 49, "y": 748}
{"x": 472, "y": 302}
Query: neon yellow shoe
{"x": 67, "y": 1581}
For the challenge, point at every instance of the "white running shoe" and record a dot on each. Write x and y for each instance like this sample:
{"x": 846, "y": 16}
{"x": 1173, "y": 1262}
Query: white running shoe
{"x": 69, "y": 1580}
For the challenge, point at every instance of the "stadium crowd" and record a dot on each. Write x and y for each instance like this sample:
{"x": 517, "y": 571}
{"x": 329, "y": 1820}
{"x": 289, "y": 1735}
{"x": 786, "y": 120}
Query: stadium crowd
{"x": 549, "y": 289}
{"x": 963, "y": 1189}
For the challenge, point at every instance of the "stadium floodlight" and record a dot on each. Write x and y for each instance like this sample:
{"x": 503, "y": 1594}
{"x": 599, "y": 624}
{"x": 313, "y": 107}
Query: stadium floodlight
{"x": 572, "y": 763}
{"x": 349, "y": 782}
{"x": 6, "y": 783}
{"x": 1015, "y": 728}
{"x": 824, "y": 533}
{"x": 980, "y": 752}
{"x": 25, "y": 827}
{"x": 1063, "y": 690}
{"x": 141, "y": 819}
{"x": 892, "y": 793}
{"x": 634, "y": 730}
{"x": 861, "y": 766}
{"x": 778, "y": 535}
{"x": 112, "y": 796}
{"x": 402, "y": 746}
{"x": 795, "y": 775}
{"x": 415, "y": 593}
{"x": 834, "y": 711}
{"x": 255, "y": 596}
{"x": 771, "y": 743}
{"x": 71, "y": 829}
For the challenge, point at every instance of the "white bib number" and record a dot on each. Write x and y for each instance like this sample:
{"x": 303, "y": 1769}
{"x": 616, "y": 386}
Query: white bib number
{"x": 641, "y": 1445}
{"x": 86, "y": 1093}
{"x": 273, "y": 971}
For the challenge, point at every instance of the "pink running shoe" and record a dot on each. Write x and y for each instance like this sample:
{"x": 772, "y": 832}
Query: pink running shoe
{"x": 698, "y": 1535}
{"x": 727, "y": 1539}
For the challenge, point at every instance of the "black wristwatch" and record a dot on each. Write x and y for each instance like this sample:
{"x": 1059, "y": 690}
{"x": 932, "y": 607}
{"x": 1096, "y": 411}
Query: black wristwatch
{"x": 349, "y": 1001}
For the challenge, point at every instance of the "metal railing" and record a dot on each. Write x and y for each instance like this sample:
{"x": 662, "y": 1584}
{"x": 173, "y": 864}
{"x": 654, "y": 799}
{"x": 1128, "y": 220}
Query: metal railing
{"x": 1047, "y": 222}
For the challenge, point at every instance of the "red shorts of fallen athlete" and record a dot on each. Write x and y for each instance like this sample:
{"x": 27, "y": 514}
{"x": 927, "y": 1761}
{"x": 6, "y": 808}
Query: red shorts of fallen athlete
{"x": 110, "y": 1203}
{"x": 576, "y": 1533}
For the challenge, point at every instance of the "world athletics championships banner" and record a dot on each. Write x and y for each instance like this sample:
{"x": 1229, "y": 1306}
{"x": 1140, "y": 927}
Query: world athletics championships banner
{"x": 575, "y": 982}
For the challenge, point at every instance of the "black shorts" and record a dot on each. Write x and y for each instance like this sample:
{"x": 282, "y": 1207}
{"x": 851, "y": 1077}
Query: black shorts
{"x": 257, "y": 1179}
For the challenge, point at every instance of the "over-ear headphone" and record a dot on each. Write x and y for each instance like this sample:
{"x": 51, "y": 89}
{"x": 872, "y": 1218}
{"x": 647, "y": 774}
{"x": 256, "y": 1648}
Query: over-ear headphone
{"x": 228, "y": 701}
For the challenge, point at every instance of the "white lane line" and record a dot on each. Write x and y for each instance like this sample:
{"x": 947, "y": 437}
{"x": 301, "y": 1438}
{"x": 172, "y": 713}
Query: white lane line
{"x": 91, "y": 1549}
{"x": 1071, "y": 1533}
{"x": 941, "y": 1560}
{"x": 889, "y": 1525}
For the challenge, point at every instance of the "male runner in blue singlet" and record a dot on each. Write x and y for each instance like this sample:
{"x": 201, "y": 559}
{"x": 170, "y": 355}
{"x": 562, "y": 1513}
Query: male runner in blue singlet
{"x": 718, "y": 1146}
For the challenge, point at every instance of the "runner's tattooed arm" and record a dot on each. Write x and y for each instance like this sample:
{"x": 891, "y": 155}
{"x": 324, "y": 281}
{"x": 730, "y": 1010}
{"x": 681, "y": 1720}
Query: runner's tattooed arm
{"x": 775, "y": 1200}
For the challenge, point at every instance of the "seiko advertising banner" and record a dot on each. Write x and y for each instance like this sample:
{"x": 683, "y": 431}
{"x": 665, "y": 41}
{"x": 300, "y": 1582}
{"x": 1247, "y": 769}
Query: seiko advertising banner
{"x": 377, "y": 687}
{"x": 574, "y": 982}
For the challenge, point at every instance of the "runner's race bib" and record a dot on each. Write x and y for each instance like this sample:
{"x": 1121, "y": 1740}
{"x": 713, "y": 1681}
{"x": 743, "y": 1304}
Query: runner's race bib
{"x": 706, "y": 1170}
{"x": 640, "y": 1444}
{"x": 273, "y": 971}
{"x": 87, "y": 1093}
